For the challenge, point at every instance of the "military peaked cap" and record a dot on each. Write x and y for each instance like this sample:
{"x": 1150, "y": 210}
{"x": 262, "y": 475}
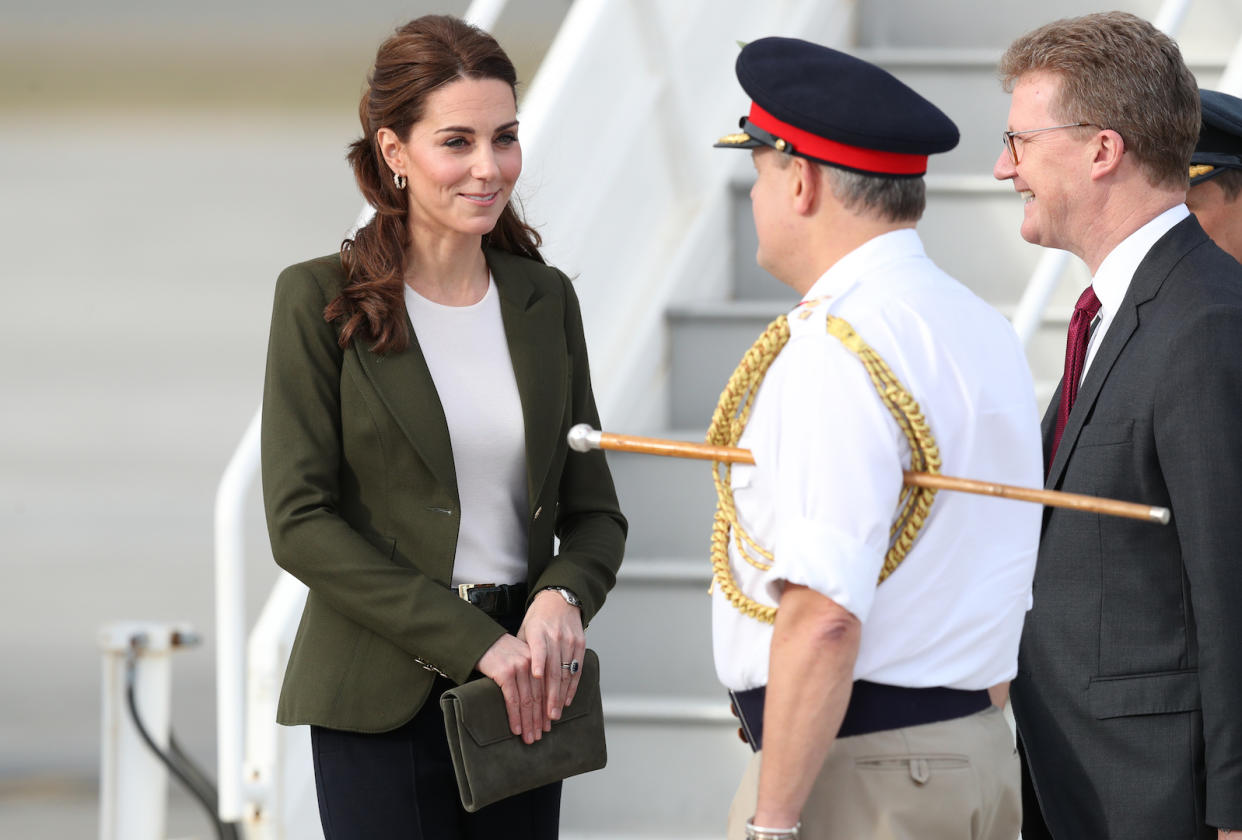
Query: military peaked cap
{"x": 830, "y": 107}
{"x": 1220, "y": 137}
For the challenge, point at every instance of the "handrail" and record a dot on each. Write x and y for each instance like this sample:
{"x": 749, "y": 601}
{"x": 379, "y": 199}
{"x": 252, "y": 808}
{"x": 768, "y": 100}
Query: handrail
{"x": 485, "y": 13}
{"x": 1231, "y": 79}
{"x": 230, "y": 552}
{"x": 1169, "y": 17}
{"x": 1029, "y": 313}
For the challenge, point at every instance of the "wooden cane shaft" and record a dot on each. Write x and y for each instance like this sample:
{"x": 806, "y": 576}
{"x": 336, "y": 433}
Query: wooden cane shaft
{"x": 1051, "y": 498}
{"x": 675, "y": 448}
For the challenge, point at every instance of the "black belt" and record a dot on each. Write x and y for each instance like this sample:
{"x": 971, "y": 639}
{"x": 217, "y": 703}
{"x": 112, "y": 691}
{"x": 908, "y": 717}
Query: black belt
{"x": 497, "y": 600}
{"x": 873, "y": 708}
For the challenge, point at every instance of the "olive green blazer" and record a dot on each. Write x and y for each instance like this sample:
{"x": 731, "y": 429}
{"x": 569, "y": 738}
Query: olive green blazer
{"x": 362, "y": 503}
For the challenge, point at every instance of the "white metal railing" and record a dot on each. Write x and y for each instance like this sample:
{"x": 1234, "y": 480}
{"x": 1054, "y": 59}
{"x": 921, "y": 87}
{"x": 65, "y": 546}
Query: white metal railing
{"x": 230, "y": 518}
{"x": 1170, "y": 16}
{"x": 1231, "y": 79}
{"x": 1029, "y": 313}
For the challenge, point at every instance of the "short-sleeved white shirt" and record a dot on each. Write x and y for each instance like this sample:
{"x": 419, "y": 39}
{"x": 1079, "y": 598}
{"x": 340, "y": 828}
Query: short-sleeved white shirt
{"x": 824, "y": 489}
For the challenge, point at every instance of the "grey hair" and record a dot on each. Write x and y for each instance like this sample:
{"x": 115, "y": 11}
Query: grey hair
{"x": 890, "y": 199}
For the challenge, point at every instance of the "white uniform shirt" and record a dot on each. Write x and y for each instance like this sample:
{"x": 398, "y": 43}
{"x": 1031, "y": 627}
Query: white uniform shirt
{"x": 824, "y": 489}
{"x": 469, "y": 360}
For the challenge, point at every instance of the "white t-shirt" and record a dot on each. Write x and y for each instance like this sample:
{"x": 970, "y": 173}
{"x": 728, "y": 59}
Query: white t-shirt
{"x": 468, "y": 357}
{"x": 828, "y": 460}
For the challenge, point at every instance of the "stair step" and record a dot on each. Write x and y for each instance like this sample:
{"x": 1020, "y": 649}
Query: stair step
{"x": 668, "y": 502}
{"x": 963, "y": 84}
{"x": 963, "y": 26}
{"x": 706, "y": 342}
{"x": 663, "y": 780}
{"x": 651, "y": 614}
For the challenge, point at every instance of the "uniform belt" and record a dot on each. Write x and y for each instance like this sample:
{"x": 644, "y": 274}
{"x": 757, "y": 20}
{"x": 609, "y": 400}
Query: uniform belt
{"x": 873, "y": 707}
{"x": 497, "y": 600}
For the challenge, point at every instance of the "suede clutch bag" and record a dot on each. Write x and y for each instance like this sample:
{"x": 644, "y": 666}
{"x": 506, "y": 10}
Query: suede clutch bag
{"x": 491, "y": 763}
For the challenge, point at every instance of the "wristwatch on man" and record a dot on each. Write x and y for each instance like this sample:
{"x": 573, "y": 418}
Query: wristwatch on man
{"x": 570, "y": 598}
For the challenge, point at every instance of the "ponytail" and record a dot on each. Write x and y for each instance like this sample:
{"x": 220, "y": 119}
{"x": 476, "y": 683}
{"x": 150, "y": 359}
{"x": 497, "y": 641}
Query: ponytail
{"x": 372, "y": 303}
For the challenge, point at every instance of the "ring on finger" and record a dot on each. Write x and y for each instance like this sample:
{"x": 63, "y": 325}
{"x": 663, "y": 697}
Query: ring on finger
{"x": 572, "y": 667}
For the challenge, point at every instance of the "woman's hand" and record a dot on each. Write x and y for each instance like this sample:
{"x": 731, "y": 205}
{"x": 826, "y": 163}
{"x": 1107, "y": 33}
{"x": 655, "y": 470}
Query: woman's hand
{"x": 553, "y": 630}
{"x": 508, "y": 663}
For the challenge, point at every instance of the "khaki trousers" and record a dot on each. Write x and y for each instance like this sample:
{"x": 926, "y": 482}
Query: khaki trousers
{"x": 954, "y": 780}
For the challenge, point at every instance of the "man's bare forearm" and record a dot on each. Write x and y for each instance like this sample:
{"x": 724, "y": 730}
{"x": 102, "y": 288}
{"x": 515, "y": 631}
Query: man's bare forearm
{"x": 814, "y": 646}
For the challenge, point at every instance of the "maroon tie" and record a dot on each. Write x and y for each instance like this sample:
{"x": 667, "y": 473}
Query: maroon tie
{"x": 1075, "y": 356}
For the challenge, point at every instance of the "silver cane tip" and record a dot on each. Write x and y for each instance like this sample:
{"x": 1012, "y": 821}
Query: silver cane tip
{"x": 1161, "y": 515}
{"x": 582, "y": 438}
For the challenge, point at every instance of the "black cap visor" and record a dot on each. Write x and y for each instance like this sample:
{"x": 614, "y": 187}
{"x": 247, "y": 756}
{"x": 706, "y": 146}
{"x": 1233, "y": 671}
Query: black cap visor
{"x": 1215, "y": 163}
{"x": 752, "y": 137}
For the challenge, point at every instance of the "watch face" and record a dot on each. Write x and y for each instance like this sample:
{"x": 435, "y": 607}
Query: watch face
{"x": 570, "y": 598}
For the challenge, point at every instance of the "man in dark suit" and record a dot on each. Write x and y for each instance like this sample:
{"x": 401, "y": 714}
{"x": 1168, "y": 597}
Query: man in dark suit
{"x": 1130, "y": 669}
{"x": 1215, "y": 195}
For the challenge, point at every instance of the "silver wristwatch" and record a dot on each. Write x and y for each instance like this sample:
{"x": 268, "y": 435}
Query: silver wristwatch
{"x": 570, "y": 598}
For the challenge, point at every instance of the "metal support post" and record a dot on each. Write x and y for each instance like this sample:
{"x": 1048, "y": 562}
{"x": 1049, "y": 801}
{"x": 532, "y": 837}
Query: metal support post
{"x": 133, "y": 781}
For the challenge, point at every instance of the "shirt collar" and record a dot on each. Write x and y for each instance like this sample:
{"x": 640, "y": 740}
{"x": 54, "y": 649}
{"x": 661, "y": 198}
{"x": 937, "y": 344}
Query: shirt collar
{"x": 1112, "y": 278}
{"x": 854, "y": 266}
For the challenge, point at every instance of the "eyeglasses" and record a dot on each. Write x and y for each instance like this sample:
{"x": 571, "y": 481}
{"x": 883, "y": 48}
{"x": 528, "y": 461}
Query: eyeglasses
{"x": 1008, "y": 137}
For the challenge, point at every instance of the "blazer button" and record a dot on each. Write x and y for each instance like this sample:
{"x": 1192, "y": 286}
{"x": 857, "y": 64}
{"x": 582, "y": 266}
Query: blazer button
{"x": 538, "y": 511}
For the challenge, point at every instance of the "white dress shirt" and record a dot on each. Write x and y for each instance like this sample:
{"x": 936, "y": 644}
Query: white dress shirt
{"x": 1112, "y": 278}
{"x": 824, "y": 489}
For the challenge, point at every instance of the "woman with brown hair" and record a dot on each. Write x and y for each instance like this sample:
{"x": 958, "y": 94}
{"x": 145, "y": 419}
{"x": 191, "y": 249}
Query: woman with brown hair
{"x": 419, "y": 388}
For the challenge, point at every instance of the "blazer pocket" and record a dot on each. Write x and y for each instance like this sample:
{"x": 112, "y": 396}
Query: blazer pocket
{"x": 1106, "y": 434}
{"x": 1144, "y": 694}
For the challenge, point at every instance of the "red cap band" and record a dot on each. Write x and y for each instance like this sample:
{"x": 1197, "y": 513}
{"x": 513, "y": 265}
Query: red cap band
{"x": 855, "y": 157}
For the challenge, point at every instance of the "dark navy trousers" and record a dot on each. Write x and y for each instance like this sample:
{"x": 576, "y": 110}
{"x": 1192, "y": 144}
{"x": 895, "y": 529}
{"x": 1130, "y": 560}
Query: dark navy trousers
{"x": 400, "y": 785}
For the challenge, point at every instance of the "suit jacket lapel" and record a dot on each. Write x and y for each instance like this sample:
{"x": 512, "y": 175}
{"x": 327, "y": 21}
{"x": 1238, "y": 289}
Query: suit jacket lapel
{"x": 534, "y": 330}
{"x": 1146, "y": 283}
{"x": 403, "y": 381}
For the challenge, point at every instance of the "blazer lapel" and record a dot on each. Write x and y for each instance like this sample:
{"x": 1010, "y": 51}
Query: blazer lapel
{"x": 535, "y": 334}
{"x": 535, "y": 331}
{"x": 403, "y": 381}
{"x": 1146, "y": 283}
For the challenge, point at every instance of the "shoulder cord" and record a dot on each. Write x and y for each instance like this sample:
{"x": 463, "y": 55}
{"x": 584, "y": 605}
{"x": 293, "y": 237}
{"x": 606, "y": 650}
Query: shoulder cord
{"x": 730, "y": 419}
